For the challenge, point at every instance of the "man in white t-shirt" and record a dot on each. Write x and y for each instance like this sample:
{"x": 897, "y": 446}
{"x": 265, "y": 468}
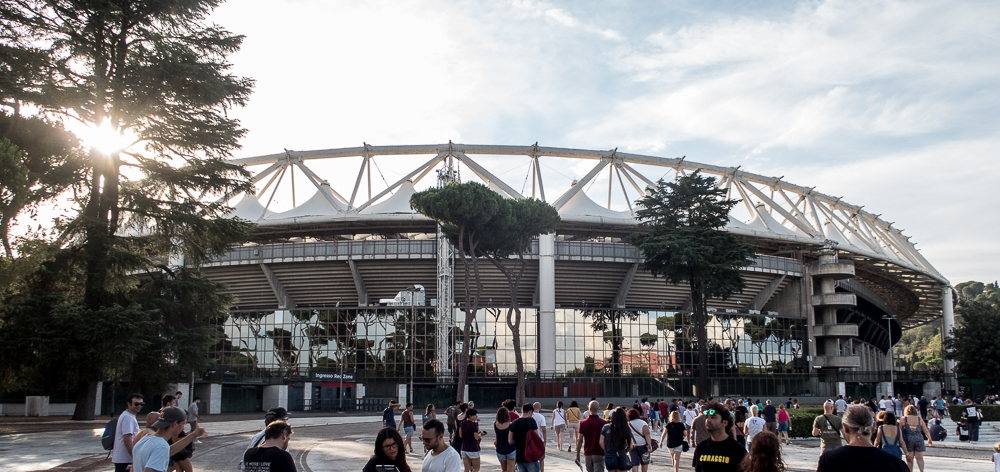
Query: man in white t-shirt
{"x": 841, "y": 405}
{"x": 540, "y": 421}
{"x": 128, "y": 427}
{"x": 440, "y": 457}
{"x": 152, "y": 453}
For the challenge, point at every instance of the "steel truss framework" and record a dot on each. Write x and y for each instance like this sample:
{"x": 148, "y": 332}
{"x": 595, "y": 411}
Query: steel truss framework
{"x": 783, "y": 216}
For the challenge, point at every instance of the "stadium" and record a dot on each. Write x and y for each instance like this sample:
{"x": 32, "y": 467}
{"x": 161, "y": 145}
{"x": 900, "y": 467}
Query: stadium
{"x": 347, "y": 295}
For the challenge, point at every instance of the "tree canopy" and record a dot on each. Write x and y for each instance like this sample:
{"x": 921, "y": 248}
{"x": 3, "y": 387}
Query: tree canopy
{"x": 975, "y": 343}
{"x": 154, "y": 74}
{"x": 464, "y": 211}
{"x": 682, "y": 240}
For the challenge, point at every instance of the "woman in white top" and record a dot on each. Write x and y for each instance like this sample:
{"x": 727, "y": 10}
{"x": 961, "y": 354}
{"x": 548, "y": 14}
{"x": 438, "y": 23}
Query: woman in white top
{"x": 559, "y": 423}
{"x": 753, "y": 425}
{"x": 640, "y": 433}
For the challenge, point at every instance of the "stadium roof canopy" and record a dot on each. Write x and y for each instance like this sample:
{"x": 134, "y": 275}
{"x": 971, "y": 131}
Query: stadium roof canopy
{"x": 778, "y": 216}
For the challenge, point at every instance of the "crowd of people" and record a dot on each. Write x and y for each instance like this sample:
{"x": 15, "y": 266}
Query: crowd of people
{"x": 163, "y": 445}
{"x": 734, "y": 435}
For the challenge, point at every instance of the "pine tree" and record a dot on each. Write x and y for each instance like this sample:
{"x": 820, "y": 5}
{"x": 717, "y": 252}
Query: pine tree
{"x": 683, "y": 241}
{"x": 156, "y": 74}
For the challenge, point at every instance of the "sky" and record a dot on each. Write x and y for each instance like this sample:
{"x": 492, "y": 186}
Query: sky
{"x": 891, "y": 105}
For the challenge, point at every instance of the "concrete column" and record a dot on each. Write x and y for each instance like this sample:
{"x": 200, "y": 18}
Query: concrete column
{"x": 307, "y": 394}
{"x": 215, "y": 396}
{"x": 949, "y": 325}
{"x": 401, "y": 393}
{"x": 547, "y": 304}
{"x": 275, "y": 396}
{"x": 100, "y": 395}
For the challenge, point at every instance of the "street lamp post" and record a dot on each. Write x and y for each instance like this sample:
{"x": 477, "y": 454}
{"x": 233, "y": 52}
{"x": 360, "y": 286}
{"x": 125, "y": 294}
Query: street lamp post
{"x": 892, "y": 362}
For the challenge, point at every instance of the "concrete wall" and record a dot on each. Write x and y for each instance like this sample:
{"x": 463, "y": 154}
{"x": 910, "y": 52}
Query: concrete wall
{"x": 55, "y": 409}
{"x": 275, "y": 396}
{"x": 211, "y": 398}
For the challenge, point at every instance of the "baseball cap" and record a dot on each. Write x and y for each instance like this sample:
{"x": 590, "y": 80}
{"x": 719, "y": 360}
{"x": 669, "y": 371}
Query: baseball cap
{"x": 278, "y": 412}
{"x": 169, "y": 416}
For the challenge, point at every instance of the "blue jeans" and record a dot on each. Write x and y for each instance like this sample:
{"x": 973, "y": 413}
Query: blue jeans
{"x": 528, "y": 467}
{"x": 973, "y": 431}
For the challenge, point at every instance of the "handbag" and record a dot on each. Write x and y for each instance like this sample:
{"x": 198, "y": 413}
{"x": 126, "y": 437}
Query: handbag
{"x": 685, "y": 446}
{"x": 534, "y": 449}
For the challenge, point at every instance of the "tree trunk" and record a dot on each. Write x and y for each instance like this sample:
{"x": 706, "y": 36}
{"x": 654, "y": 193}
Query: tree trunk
{"x": 86, "y": 400}
{"x": 463, "y": 358}
{"x": 700, "y": 322}
{"x": 616, "y": 345}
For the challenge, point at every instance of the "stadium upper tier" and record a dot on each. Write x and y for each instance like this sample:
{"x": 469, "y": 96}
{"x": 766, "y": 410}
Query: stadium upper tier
{"x": 779, "y": 217}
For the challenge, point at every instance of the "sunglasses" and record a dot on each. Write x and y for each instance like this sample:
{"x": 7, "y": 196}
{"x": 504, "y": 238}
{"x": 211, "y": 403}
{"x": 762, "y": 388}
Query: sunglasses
{"x": 390, "y": 446}
{"x": 710, "y": 412}
{"x": 138, "y": 404}
{"x": 423, "y": 439}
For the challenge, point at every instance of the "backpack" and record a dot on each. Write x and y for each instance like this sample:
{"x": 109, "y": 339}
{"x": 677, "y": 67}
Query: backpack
{"x": 108, "y": 438}
{"x": 534, "y": 448}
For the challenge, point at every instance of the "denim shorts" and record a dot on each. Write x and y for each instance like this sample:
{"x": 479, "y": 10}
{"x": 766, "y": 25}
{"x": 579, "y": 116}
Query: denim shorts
{"x": 620, "y": 461}
{"x": 408, "y": 430}
{"x": 782, "y": 426}
{"x": 507, "y": 457}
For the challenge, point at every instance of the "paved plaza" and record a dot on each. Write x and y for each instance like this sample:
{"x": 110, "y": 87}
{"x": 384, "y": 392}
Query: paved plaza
{"x": 344, "y": 443}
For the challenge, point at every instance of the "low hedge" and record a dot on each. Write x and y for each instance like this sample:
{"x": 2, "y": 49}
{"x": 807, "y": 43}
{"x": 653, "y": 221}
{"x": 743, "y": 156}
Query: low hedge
{"x": 990, "y": 412}
{"x": 801, "y": 421}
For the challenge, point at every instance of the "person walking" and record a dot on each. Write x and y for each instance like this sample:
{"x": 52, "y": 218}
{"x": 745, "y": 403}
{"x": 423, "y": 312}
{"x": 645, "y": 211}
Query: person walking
{"x": 125, "y": 431}
{"x": 389, "y": 415}
{"x": 518, "y": 436}
{"x": 720, "y": 453}
{"x": 783, "y": 423}
{"x": 441, "y": 457}
{"x": 506, "y": 452}
{"x": 770, "y": 417}
{"x": 389, "y": 452}
{"x": 430, "y": 413}
{"x": 540, "y": 421}
{"x": 673, "y": 432}
{"x": 589, "y": 439}
{"x": 827, "y": 426}
{"x": 753, "y": 425}
{"x": 741, "y": 419}
{"x": 468, "y": 431}
{"x": 689, "y": 414}
{"x": 914, "y": 431}
{"x": 640, "y": 453}
{"x": 409, "y": 425}
{"x": 889, "y": 437}
{"x": 608, "y": 411}
{"x": 765, "y": 455}
{"x": 859, "y": 455}
{"x": 616, "y": 440}
{"x": 573, "y": 422}
{"x": 193, "y": 416}
{"x": 559, "y": 423}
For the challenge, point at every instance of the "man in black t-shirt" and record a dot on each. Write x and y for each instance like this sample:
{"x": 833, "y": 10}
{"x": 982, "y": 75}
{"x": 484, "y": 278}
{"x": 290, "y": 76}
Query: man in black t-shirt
{"x": 271, "y": 455}
{"x": 518, "y": 435}
{"x": 721, "y": 453}
{"x": 770, "y": 417}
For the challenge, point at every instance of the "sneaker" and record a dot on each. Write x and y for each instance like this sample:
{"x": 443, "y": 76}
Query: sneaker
{"x": 197, "y": 441}
{"x": 570, "y": 449}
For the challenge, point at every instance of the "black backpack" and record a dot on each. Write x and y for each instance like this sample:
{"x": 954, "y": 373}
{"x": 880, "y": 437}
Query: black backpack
{"x": 108, "y": 438}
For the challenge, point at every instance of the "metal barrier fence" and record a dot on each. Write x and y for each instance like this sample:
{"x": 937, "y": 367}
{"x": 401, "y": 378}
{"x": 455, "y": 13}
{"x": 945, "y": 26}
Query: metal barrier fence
{"x": 373, "y": 404}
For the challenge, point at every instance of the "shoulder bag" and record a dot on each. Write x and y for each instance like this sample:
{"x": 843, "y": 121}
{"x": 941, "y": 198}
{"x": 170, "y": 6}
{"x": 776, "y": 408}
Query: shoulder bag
{"x": 534, "y": 448}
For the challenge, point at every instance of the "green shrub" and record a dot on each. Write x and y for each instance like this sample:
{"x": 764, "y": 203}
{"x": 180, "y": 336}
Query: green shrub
{"x": 801, "y": 421}
{"x": 990, "y": 412}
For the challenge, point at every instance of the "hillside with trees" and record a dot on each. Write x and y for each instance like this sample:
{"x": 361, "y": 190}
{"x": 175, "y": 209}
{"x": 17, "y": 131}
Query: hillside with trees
{"x": 920, "y": 347}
